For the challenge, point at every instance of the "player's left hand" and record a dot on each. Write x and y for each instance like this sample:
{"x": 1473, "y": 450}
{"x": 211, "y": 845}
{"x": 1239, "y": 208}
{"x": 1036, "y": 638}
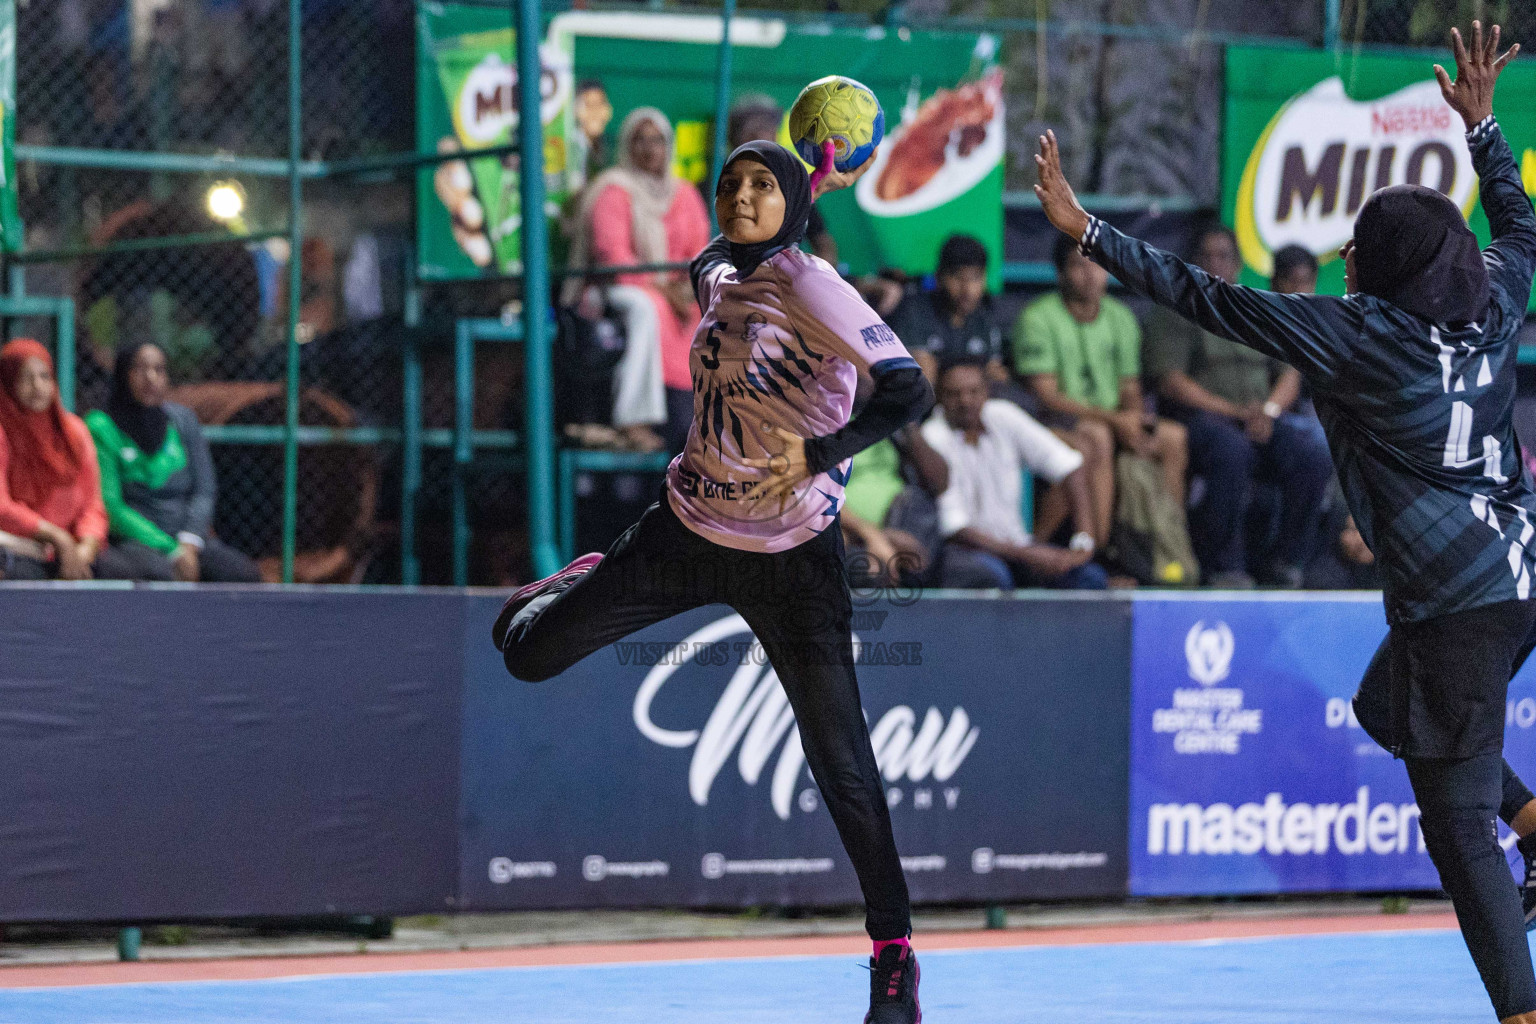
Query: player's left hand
{"x": 786, "y": 470}
{"x": 827, "y": 178}
{"x": 1057, "y": 199}
{"x": 1477, "y": 69}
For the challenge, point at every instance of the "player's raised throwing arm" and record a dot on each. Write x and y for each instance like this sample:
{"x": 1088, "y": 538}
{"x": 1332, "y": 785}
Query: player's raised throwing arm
{"x": 1511, "y": 259}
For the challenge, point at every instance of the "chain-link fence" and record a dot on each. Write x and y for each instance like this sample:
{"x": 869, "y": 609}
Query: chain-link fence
{"x": 132, "y": 113}
{"x": 1427, "y": 23}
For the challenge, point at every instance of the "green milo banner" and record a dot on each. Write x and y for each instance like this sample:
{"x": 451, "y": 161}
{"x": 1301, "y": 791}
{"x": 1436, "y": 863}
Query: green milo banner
{"x": 1310, "y": 135}
{"x": 940, "y": 170}
{"x": 469, "y": 212}
{"x": 10, "y": 217}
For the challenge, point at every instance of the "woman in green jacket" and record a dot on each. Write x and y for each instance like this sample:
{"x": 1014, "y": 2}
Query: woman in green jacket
{"x": 157, "y": 477}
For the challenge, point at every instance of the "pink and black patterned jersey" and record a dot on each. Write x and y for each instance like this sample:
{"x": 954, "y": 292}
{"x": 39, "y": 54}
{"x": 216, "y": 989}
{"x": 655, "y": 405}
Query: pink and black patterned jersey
{"x": 781, "y": 349}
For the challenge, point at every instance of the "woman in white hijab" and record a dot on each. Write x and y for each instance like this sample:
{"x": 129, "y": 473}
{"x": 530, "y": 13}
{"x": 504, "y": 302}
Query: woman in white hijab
{"x": 635, "y": 214}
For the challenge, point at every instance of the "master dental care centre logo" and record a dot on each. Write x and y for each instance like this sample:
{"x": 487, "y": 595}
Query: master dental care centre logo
{"x": 1208, "y": 718}
{"x": 1209, "y": 721}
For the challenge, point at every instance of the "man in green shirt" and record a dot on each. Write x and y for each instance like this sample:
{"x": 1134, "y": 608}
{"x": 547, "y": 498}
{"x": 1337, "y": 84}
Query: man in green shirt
{"x": 1237, "y": 405}
{"x": 1079, "y": 350}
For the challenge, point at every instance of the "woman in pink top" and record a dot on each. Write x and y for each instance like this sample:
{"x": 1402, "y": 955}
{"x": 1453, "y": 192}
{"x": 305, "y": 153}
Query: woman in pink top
{"x": 749, "y": 517}
{"x": 638, "y": 213}
{"x": 52, "y": 520}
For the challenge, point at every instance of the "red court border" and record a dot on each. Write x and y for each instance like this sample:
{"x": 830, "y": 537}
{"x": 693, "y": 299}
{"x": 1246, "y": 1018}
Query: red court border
{"x": 253, "y": 968}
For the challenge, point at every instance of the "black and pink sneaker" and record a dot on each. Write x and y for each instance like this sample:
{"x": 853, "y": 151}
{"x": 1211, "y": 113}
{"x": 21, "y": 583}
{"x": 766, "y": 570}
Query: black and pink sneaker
{"x": 893, "y": 982}
{"x": 562, "y": 579}
{"x": 1527, "y": 848}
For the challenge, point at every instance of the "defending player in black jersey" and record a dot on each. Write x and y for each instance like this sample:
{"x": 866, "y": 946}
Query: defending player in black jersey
{"x": 1414, "y": 379}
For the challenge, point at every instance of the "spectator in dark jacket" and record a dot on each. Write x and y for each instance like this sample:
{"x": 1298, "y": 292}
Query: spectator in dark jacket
{"x": 956, "y": 322}
{"x": 157, "y": 478}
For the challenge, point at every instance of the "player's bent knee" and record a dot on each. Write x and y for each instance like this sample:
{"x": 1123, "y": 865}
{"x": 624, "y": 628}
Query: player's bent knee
{"x": 528, "y": 664}
{"x": 1457, "y": 838}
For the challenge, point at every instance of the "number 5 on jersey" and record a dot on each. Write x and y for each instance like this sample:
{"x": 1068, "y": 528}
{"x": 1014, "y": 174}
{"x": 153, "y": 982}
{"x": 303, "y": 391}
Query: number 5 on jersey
{"x": 711, "y": 360}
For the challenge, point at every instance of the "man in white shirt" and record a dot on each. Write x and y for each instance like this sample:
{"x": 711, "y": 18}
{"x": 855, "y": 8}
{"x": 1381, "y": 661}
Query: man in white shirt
{"x": 988, "y": 443}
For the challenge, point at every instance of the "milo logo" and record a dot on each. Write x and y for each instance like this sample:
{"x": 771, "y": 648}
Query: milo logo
{"x": 1323, "y": 154}
{"x": 485, "y": 110}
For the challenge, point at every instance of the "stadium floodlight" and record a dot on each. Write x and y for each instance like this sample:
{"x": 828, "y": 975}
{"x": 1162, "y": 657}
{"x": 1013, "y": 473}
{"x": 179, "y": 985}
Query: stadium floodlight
{"x": 226, "y": 201}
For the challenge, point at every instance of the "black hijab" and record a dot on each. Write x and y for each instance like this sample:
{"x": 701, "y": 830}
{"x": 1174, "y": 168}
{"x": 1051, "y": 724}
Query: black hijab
{"x": 145, "y": 425}
{"x": 1413, "y": 249}
{"x": 795, "y": 183}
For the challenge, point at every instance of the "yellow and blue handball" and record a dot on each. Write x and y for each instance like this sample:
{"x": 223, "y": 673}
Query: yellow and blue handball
{"x": 839, "y": 109}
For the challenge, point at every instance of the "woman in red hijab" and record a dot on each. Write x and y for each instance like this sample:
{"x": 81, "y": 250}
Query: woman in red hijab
{"x": 50, "y": 484}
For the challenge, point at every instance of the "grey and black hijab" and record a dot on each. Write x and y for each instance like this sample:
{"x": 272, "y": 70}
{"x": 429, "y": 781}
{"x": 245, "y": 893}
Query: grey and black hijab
{"x": 145, "y": 425}
{"x": 1413, "y": 249}
{"x": 795, "y": 183}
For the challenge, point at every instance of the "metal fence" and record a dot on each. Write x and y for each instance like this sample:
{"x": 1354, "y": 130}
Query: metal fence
{"x": 347, "y": 445}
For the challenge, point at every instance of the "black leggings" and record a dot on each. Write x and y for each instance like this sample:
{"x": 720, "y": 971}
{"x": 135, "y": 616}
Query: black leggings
{"x": 1457, "y": 803}
{"x": 1516, "y": 794}
{"x": 1439, "y": 687}
{"x": 797, "y": 604}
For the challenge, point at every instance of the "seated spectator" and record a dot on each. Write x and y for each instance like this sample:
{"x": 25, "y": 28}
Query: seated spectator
{"x": 1294, "y": 272}
{"x": 641, "y": 213}
{"x": 1237, "y": 406}
{"x": 895, "y": 522}
{"x": 1080, "y": 351}
{"x": 51, "y": 515}
{"x": 956, "y": 321}
{"x": 157, "y": 478}
{"x": 1342, "y": 560}
{"x": 988, "y": 443}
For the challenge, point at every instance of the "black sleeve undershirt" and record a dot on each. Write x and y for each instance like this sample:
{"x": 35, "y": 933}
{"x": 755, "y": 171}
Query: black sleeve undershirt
{"x": 902, "y": 394}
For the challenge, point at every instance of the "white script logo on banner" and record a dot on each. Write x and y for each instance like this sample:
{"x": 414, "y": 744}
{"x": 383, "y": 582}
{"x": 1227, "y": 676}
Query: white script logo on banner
{"x": 754, "y": 713}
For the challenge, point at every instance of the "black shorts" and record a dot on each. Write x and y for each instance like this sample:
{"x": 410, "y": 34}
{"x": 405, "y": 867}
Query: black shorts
{"x": 1437, "y": 688}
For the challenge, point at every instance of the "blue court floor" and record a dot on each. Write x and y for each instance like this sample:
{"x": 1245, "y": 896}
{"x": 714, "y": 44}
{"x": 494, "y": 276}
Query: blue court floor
{"x": 1380, "y": 978}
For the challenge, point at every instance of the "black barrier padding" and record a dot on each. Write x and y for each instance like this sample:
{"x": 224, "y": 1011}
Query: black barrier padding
{"x": 576, "y": 794}
{"x": 215, "y": 753}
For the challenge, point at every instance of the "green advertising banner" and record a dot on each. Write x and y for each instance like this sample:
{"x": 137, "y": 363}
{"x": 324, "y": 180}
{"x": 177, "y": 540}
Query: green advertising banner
{"x": 940, "y": 170}
{"x": 1309, "y": 135}
{"x": 10, "y": 216}
{"x": 469, "y": 212}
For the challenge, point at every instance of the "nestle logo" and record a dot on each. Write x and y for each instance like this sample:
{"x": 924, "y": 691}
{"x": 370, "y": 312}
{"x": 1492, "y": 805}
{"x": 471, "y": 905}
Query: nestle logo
{"x": 1392, "y": 120}
{"x": 877, "y": 335}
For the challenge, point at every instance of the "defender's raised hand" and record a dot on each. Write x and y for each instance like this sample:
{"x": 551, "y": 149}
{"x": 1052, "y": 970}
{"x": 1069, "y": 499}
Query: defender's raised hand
{"x": 1477, "y": 69}
{"x": 1061, "y": 207}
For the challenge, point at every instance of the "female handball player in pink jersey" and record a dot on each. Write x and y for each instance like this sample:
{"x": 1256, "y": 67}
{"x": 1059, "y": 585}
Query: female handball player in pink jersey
{"x": 749, "y": 514}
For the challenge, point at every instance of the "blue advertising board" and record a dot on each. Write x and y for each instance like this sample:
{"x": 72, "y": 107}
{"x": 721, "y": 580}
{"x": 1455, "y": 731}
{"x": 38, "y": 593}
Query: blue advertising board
{"x": 666, "y": 769}
{"x": 1249, "y": 773}
{"x": 214, "y": 752}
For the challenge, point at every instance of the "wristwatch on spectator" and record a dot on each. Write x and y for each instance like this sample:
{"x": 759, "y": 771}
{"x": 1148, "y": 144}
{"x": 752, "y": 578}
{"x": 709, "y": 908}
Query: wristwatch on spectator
{"x": 1273, "y": 410}
{"x": 191, "y": 540}
{"x": 1081, "y": 541}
